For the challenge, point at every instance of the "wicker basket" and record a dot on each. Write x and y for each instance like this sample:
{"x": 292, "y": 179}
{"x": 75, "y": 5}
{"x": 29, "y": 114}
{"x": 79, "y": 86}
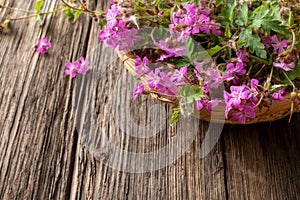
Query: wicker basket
{"x": 278, "y": 109}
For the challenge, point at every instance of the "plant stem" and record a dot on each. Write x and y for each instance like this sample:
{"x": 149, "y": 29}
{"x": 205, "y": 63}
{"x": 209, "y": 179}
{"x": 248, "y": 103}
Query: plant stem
{"x": 74, "y": 8}
{"x": 294, "y": 87}
{"x": 32, "y": 16}
{"x": 259, "y": 70}
{"x": 270, "y": 78}
{"x": 259, "y": 59}
{"x": 16, "y": 9}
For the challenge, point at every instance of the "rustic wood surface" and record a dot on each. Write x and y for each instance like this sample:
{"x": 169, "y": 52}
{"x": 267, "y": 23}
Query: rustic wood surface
{"x": 48, "y": 151}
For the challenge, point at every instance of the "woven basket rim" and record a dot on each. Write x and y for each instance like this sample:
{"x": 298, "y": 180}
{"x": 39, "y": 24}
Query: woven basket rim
{"x": 278, "y": 110}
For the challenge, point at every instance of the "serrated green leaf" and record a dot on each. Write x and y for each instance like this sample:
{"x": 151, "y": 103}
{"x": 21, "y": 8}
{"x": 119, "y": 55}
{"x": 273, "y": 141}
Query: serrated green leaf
{"x": 38, "y": 5}
{"x": 261, "y": 11}
{"x": 268, "y": 25}
{"x": 190, "y": 94}
{"x": 242, "y": 15}
{"x": 229, "y": 11}
{"x": 253, "y": 42}
{"x": 212, "y": 51}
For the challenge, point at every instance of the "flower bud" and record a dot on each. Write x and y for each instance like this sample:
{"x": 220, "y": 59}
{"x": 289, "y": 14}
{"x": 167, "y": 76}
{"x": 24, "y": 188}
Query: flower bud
{"x": 298, "y": 96}
{"x": 293, "y": 96}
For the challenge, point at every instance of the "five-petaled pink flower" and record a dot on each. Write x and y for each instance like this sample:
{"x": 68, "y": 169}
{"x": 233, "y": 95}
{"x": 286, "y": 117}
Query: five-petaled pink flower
{"x": 77, "y": 67}
{"x": 43, "y": 45}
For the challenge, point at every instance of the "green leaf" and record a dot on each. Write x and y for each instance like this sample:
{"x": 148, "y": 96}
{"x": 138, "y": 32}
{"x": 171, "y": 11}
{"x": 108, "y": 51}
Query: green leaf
{"x": 268, "y": 25}
{"x": 190, "y": 45}
{"x": 242, "y": 15}
{"x": 291, "y": 19}
{"x": 175, "y": 115}
{"x": 71, "y": 13}
{"x": 227, "y": 33}
{"x": 77, "y": 13}
{"x": 275, "y": 25}
{"x": 68, "y": 13}
{"x": 229, "y": 11}
{"x": 190, "y": 94}
{"x": 295, "y": 73}
{"x": 181, "y": 63}
{"x": 261, "y": 12}
{"x": 212, "y": 51}
{"x": 162, "y": 5}
{"x": 39, "y": 19}
{"x": 267, "y": 18}
{"x": 253, "y": 42}
{"x": 241, "y": 43}
{"x": 219, "y": 2}
{"x": 38, "y": 5}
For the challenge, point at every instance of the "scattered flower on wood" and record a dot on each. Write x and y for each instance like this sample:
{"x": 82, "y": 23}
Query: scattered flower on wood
{"x": 43, "y": 45}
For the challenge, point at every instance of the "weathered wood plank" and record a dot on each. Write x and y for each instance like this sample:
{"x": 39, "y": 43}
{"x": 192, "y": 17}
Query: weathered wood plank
{"x": 262, "y": 161}
{"x": 36, "y": 146}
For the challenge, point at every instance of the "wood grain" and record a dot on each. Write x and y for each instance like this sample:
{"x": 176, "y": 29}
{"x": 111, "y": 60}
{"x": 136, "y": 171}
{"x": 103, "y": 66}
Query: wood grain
{"x": 53, "y": 130}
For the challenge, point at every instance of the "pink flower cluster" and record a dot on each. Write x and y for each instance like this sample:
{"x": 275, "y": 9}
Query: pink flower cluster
{"x": 168, "y": 84}
{"x": 236, "y": 68}
{"x": 241, "y": 101}
{"x": 278, "y": 48}
{"x": 191, "y": 19}
{"x": 117, "y": 33}
{"x": 188, "y": 20}
{"x": 78, "y": 67}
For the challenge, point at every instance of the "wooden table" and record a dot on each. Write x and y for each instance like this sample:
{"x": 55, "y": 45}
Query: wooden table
{"x": 45, "y": 153}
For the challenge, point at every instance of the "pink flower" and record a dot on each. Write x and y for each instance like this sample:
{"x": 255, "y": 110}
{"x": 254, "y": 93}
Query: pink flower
{"x": 243, "y": 112}
{"x": 242, "y": 59}
{"x": 199, "y": 104}
{"x": 77, "y": 67}
{"x": 211, "y": 104}
{"x": 279, "y": 95}
{"x": 43, "y": 45}
{"x": 111, "y": 16}
{"x": 154, "y": 78}
{"x": 172, "y": 48}
{"x": 238, "y": 95}
{"x": 72, "y": 68}
{"x": 167, "y": 86}
{"x": 285, "y": 65}
{"x": 179, "y": 75}
{"x": 279, "y": 47}
{"x": 141, "y": 66}
{"x": 137, "y": 91}
{"x": 84, "y": 66}
{"x": 267, "y": 42}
